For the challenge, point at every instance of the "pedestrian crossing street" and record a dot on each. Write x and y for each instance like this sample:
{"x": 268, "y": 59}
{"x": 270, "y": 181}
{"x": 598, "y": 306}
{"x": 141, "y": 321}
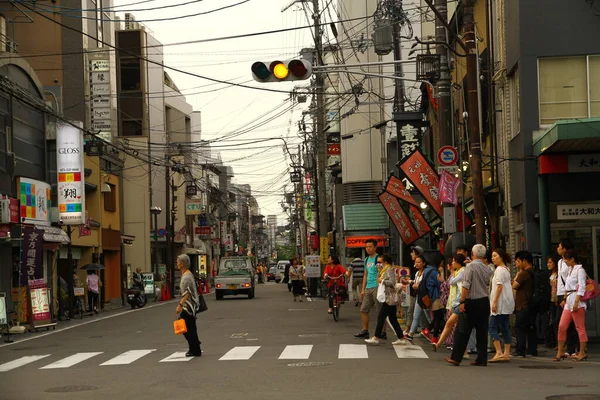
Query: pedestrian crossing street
{"x": 237, "y": 353}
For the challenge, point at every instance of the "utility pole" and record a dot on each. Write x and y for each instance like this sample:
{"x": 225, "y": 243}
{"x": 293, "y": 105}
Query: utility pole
{"x": 398, "y": 84}
{"x": 442, "y": 87}
{"x": 473, "y": 121}
{"x": 320, "y": 131}
{"x": 169, "y": 234}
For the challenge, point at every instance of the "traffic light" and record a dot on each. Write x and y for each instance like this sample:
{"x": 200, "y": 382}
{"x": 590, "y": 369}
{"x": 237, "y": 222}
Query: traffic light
{"x": 281, "y": 71}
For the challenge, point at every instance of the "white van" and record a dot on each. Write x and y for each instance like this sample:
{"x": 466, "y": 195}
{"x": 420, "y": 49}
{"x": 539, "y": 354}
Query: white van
{"x": 281, "y": 269}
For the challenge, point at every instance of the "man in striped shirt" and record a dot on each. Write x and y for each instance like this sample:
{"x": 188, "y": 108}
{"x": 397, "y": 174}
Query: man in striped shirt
{"x": 474, "y": 309}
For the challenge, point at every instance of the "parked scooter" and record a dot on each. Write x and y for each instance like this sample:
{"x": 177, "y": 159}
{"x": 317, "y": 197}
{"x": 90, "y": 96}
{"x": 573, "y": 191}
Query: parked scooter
{"x": 136, "y": 296}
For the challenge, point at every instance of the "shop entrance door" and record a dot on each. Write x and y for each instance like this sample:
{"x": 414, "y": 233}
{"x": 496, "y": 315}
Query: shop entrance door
{"x": 587, "y": 245}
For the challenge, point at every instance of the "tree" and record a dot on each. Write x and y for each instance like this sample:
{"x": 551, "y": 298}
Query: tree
{"x": 286, "y": 252}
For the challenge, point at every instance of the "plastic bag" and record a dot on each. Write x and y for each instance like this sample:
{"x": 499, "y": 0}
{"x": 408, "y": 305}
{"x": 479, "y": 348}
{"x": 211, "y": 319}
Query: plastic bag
{"x": 179, "y": 326}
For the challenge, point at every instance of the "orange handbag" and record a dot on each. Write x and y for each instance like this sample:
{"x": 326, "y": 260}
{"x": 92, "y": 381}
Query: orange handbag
{"x": 179, "y": 326}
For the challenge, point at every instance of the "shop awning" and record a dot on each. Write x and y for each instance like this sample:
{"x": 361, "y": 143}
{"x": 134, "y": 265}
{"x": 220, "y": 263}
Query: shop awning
{"x": 54, "y": 235}
{"x": 568, "y": 136}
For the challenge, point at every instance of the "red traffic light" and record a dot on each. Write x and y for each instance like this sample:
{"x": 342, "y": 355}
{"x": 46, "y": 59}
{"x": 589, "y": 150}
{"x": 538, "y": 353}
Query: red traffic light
{"x": 299, "y": 69}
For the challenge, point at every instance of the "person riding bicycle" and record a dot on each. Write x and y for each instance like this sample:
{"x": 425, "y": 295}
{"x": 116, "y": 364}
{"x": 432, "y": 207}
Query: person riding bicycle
{"x": 334, "y": 273}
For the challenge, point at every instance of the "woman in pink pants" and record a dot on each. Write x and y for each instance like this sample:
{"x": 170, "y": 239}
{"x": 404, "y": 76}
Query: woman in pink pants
{"x": 574, "y": 307}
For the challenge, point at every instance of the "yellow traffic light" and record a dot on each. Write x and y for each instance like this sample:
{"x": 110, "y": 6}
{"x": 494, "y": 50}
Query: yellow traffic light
{"x": 280, "y": 71}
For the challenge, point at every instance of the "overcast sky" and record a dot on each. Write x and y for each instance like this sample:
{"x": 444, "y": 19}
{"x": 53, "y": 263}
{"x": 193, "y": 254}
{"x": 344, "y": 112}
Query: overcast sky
{"x": 227, "y": 109}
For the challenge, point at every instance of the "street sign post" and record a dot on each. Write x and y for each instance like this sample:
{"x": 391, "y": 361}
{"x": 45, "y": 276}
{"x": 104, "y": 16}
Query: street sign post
{"x": 447, "y": 156}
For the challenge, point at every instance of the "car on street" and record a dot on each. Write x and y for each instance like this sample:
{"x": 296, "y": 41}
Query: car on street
{"x": 272, "y": 275}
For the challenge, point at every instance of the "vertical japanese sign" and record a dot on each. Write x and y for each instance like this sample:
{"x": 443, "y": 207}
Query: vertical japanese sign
{"x": 409, "y": 140}
{"x": 399, "y": 218}
{"x": 395, "y": 187}
{"x": 32, "y": 255}
{"x": 100, "y": 93}
{"x": 35, "y": 200}
{"x": 69, "y": 162}
{"x": 420, "y": 173}
{"x": 418, "y": 221}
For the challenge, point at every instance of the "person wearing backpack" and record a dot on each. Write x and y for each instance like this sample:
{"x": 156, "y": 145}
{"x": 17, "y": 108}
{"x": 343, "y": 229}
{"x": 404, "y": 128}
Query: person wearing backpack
{"x": 525, "y": 310}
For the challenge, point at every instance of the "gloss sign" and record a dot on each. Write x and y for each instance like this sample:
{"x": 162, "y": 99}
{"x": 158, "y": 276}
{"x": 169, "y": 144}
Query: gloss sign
{"x": 69, "y": 162}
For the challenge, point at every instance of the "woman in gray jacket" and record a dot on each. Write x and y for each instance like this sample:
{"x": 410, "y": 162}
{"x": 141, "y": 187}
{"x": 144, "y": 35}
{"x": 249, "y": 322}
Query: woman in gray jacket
{"x": 389, "y": 310}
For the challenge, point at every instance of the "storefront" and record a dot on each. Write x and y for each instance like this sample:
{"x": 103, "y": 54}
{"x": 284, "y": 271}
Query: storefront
{"x": 569, "y": 196}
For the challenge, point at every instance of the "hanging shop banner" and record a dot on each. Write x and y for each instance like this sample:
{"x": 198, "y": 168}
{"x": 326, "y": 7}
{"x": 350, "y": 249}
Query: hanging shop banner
{"x": 418, "y": 221}
{"x": 69, "y": 162}
{"x": 399, "y": 218}
{"x": 313, "y": 266}
{"x": 448, "y": 187}
{"x": 35, "y": 201}
{"x": 421, "y": 174}
{"x": 32, "y": 255}
{"x": 395, "y": 187}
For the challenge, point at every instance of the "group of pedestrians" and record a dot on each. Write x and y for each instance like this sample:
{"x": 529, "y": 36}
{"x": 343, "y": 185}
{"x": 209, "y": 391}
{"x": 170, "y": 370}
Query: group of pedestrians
{"x": 469, "y": 305}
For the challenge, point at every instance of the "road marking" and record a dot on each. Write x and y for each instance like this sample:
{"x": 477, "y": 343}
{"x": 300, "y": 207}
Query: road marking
{"x": 177, "y": 357}
{"x": 128, "y": 357}
{"x": 300, "y": 309}
{"x": 410, "y": 351}
{"x": 71, "y": 360}
{"x": 147, "y": 307}
{"x": 296, "y": 352}
{"x": 240, "y": 353}
{"x": 238, "y": 335}
{"x": 353, "y": 351}
{"x": 20, "y": 362}
{"x": 308, "y": 299}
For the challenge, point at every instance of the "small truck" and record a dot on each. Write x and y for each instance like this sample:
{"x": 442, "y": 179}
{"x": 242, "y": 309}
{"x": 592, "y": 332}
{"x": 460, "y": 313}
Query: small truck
{"x": 235, "y": 276}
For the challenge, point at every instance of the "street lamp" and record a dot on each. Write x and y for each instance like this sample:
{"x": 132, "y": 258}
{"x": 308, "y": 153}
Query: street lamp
{"x": 155, "y": 211}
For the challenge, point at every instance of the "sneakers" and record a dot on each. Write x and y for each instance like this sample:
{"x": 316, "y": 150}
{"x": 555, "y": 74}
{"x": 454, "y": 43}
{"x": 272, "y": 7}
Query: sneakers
{"x": 426, "y": 334}
{"x": 408, "y": 338}
{"x": 373, "y": 341}
{"x": 383, "y": 336}
{"x": 434, "y": 340}
{"x": 362, "y": 335}
{"x": 400, "y": 342}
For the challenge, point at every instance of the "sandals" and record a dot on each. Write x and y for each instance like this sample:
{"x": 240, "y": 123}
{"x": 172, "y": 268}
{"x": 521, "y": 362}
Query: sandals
{"x": 559, "y": 358}
{"x": 584, "y": 358}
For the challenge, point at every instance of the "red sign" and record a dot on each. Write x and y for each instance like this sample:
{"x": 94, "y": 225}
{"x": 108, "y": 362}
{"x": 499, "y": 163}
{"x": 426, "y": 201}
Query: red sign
{"x": 9, "y": 210}
{"x": 334, "y": 149}
{"x": 448, "y": 187}
{"x": 447, "y": 155}
{"x": 361, "y": 241}
{"x": 203, "y": 230}
{"x": 395, "y": 187}
{"x": 424, "y": 178}
{"x": 399, "y": 218}
{"x": 418, "y": 221}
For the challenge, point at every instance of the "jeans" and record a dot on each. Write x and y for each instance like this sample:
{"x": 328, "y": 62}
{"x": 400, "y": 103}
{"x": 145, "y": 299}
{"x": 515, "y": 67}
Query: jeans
{"x": 388, "y": 312}
{"x": 417, "y": 316}
{"x": 500, "y": 324}
{"x": 477, "y": 314}
{"x": 92, "y": 300}
{"x": 525, "y": 332}
{"x": 192, "y": 332}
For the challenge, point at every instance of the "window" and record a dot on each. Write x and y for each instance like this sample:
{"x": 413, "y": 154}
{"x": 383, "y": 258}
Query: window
{"x": 569, "y": 88}
{"x": 110, "y": 199}
{"x": 131, "y": 128}
{"x": 130, "y": 74}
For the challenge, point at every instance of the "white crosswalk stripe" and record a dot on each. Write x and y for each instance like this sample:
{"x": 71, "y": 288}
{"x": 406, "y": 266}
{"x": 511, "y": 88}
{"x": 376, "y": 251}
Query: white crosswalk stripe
{"x": 20, "y": 362}
{"x": 71, "y": 360}
{"x": 128, "y": 357}
{"x": 296, "y": 352}
{"x": 237, "y": 353}
{"x": 240, "y": 353}
{"x": 178, "y": 356}
{"x": 352, "y": 351}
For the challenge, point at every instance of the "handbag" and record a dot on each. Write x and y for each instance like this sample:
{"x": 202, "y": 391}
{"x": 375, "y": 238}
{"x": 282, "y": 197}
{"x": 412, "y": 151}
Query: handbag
{"x": 179, "y": 326}
{"x": 381, "y": 293}
{"x": 591, "y": 289}
{"x": 201, "y": 304}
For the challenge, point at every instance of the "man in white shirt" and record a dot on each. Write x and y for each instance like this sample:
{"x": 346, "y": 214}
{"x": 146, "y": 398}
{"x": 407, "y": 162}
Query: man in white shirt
{"x": 563, "y": 272}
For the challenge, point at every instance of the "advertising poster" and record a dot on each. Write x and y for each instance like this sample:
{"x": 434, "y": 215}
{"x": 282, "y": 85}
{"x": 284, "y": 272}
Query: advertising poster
{"x": 70, "y": 174}
{"x": 313, "y": 267}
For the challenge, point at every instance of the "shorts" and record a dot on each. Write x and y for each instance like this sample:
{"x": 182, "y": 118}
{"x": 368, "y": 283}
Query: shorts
{"x": 455, "y": 310}
{"x": 370, "y": 300}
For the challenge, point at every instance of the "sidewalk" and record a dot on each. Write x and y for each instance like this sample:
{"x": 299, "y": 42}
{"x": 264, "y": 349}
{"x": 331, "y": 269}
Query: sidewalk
{"x": 110, "y": 309}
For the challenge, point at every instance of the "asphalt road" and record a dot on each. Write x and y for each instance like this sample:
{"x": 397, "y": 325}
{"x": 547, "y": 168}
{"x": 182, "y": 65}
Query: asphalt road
{"x": 248, "y": 354}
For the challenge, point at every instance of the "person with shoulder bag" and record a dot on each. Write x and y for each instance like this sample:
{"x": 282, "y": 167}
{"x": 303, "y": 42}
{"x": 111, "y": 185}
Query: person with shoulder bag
{"x": 387, "y": 280}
